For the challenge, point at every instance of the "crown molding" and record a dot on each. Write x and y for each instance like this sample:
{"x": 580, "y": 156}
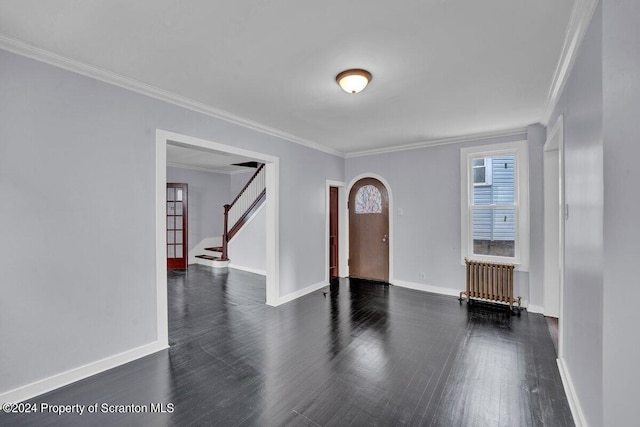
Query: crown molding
{"x": 442, "y": 141}
{"x": 42, "y": 55}
{"x": 579, "y": 21}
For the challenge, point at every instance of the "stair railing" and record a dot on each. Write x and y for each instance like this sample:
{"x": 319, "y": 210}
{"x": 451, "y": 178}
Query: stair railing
{"x": 237, "y": 213}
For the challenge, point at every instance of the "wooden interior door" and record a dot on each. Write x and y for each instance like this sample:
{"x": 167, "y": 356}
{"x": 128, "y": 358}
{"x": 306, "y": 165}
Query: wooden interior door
{"x": 369, "y": 230}
{"x": 177, "y": 247}
{"x": 333, "y": 233}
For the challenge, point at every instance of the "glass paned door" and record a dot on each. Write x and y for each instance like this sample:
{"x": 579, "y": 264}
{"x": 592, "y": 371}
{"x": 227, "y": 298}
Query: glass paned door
{"x": 177, "y": 248}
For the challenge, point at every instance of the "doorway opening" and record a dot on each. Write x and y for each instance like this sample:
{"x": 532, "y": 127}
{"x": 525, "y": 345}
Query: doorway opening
{"x": 164, "y": 138}
{"x": 554, "y": 227}
{"x": 336, "y": 240}
{"x": 334, "y": 248}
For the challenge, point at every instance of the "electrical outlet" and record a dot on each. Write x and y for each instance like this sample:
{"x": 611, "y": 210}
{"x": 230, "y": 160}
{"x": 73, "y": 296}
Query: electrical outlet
{"x": 423, "y": 275}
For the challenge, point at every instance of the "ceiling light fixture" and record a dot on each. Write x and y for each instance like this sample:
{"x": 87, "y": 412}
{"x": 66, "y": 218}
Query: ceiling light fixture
{"x": 354, "y": 80}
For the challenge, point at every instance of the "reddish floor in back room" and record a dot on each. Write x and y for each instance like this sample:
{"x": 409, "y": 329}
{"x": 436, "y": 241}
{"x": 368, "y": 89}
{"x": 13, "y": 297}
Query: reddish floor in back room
{"x": 553, "y": 331}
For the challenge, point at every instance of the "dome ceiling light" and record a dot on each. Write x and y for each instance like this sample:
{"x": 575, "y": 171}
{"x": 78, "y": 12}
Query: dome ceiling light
{"x": 354, "y": 80}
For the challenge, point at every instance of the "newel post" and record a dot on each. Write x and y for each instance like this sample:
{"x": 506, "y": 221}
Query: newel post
{"x": 225, "y": 235}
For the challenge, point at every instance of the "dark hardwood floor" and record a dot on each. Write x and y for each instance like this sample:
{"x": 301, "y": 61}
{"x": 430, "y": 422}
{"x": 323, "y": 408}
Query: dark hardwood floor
{"x": 354, "y": 354}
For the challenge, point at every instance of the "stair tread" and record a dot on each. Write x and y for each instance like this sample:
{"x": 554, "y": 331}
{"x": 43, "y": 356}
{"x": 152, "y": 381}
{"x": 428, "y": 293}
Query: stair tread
{"x": 214, "y": 249}
{"x": 209, "y": 257}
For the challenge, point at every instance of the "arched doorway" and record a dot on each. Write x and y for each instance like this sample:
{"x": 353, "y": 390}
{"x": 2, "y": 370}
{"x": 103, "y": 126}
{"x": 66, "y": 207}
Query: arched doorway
{"x": 369, "y": 230}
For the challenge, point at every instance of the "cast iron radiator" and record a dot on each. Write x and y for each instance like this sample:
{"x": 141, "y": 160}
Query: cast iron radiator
{"x": 490, "y": 281}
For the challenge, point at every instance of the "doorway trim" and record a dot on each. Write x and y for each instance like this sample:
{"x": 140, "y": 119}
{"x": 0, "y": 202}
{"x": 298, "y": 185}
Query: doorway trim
{"x": 342, "y": 236}
{"x": 555, "y": 141}
{"x": 272, "y": 229}
{"x": 344, "y": 254}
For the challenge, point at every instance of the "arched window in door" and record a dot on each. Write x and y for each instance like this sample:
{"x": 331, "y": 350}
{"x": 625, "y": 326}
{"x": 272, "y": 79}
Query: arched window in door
{"x": 368, "y": 200}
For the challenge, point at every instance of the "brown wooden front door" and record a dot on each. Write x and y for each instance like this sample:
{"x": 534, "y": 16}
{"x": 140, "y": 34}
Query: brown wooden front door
{"x": 369, "y": 230}
{"x": 333, "y": 232}
{"x": 177, "y": 247}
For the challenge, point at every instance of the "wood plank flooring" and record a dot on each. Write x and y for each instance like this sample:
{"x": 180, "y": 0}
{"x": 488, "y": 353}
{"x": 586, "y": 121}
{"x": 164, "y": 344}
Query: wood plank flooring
{"x": 353, "y": 354}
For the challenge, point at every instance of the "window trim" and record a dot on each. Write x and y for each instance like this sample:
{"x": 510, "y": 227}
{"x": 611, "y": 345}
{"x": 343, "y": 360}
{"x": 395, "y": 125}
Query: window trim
{"x": 521, "y": 183}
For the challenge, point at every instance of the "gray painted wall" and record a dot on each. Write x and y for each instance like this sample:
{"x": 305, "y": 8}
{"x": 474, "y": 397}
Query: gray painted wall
{"x": 537, "y": 136}
{"x": 581, "y": 105}
{"x": 425, "y": 184}
{"x": 247, "y": 248}
{"x": 238, "y": 181}
{"x": 77, "y": 161}
{"x": 208, "y": 193}
{"x": 621, "y": 129}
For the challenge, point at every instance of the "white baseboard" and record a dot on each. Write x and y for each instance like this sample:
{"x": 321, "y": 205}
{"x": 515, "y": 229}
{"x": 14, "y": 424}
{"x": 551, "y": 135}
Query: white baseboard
{"x": 454, "y": 292}
{"x": 574, "y": 403}
{"x": 427, "y": 288}
{"x": 531, "y": 308}
{"x": 302, "y": 292}
{"x": 37, "y": 388}
{"x": 216, "y": 263}
{"x": 248, "y": 269}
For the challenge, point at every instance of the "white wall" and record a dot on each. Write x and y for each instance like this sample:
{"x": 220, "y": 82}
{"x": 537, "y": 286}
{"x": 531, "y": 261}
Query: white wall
{"x": 537, "y": 136}
{"x": 425, "y": 184}
{"x": 247, "y": 248}
{"x": 208, "y": 193}
{"x": 621, "y": 129}
{"x": 582, "y": 322}
{"x": 77, "y": 161}
{"x": 238, "y": 181}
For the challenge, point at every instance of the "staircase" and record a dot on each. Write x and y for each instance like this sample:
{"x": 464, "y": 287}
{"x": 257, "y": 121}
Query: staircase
{"x": 236, "y": 215}
{"x": 214, "y": 255}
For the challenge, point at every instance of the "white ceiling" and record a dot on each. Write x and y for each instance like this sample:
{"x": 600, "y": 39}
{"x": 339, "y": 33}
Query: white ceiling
{"x": 441, "y": 68}
{"x": 190, "y": 157}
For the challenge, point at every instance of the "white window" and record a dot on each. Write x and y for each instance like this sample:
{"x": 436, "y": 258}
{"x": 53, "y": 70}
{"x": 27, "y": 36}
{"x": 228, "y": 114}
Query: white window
{"x": 482, "y": 172}
{"x": 495, "y": 203}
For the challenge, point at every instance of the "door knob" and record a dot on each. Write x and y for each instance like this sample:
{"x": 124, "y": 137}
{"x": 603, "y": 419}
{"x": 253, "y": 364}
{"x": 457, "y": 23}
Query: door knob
{"x": 384, "y": 238}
